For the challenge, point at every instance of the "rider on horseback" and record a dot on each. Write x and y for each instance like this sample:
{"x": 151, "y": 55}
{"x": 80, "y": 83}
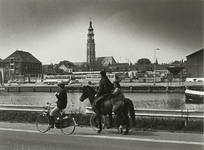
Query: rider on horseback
{"x": 117, "y": 91}
{"x": 105, "y": 89}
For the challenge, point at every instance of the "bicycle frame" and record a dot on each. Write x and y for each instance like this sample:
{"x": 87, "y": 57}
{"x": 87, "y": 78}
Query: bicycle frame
{"x": 65, "y": 123}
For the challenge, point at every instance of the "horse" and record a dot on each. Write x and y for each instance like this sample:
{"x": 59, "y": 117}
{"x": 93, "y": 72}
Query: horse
{"x": 121, "y": 108}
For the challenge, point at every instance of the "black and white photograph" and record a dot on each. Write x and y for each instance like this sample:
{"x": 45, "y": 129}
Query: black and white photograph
{"x": 101, "y": 74}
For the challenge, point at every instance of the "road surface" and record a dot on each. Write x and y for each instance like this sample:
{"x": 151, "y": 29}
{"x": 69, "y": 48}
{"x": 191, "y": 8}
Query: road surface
{"x": 25, "y": 136}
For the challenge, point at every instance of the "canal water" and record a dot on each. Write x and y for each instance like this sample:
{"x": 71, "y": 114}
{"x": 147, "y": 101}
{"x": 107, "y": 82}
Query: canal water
{"x": 39, "y": 98}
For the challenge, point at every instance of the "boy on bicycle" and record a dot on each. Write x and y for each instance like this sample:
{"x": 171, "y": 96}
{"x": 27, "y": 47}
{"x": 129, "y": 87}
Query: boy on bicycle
{"x": 61, "y": 102}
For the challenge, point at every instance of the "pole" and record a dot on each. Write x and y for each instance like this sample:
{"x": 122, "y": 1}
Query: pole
{"x": 155, "y": 65}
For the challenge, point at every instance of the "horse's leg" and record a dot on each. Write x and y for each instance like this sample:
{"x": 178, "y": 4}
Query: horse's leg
{"x": 120, "y": 122}
{"x": 99, "y": 121}
{"x": 94, "y": 119}
{"x": 98, "y": 114}
{"x": 126, "y": 119}
{"x": 110, "y": 120}
{"x": 118, "y": 110}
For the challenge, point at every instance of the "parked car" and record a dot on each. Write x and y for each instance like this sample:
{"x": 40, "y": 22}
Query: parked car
{"x": 73, "y": 81}
{"x": 127, "y": 80}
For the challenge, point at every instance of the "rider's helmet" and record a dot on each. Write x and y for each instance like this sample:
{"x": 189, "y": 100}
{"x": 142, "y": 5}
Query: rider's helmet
{"x": 61, "y": 84}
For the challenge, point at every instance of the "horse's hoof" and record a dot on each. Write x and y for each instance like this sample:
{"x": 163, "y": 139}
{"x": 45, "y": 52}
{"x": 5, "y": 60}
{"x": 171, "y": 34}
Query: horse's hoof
{"x": 120, "y": 129}
{"x": 99, "y": 131}
{"x": 125, "y": 133}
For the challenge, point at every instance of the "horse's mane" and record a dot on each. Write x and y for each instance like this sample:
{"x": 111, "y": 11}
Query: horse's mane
{"x": 90, "y": 88}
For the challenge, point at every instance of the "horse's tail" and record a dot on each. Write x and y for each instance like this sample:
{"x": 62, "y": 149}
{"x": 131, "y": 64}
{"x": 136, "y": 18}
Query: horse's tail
{"x": 131, "y": 110}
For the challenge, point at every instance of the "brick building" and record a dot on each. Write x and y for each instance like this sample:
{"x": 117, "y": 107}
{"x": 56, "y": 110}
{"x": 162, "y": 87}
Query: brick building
{"x": 21, "y": 64}
{"x": 195, "y": 64}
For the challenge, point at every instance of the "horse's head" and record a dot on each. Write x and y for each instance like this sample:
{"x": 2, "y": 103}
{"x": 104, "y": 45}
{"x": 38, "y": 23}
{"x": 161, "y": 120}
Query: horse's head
{"x": 87, "y": 92}
{"x": 84, "y": 94}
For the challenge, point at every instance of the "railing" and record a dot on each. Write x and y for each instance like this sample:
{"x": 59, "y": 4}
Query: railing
{"x": 126, "y": 89}
{"x": 186, "y": 114}
{"x": 11, "y": 107}
{"x": 163, "y": 113}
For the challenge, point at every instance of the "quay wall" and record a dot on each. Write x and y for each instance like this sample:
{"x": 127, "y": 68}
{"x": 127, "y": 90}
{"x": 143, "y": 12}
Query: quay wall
{"x": 126, "y": 89}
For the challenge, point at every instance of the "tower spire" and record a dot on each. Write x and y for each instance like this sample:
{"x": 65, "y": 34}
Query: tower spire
{"x": 90, "y": 24}
{"x": 90, "y": 46}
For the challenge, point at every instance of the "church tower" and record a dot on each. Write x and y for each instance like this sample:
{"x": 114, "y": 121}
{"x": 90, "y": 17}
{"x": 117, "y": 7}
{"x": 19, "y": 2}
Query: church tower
{"x": 90, "y": 47}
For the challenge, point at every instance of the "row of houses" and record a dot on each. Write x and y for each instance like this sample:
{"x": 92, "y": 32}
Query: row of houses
{"x": 21, "y": 64}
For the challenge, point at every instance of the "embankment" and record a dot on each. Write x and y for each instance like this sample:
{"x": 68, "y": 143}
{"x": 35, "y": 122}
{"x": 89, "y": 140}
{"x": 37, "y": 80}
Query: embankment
{"x": 130, "y": 89}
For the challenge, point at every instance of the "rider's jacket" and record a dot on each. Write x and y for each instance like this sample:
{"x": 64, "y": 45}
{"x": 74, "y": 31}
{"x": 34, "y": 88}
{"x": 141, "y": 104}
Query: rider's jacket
{"x": 117, "y": 92}
{"x": 105, "y": 86}
{"x": 62, "y": 99}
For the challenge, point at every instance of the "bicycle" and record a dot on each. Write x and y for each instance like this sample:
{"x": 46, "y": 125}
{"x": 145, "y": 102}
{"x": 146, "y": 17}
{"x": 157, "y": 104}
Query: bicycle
{"x": 65, "y": 122}
{"x": 105, "y": 122}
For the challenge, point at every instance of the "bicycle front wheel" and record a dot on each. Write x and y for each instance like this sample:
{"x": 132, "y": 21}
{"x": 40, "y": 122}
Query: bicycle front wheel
{"x": 42, "y": 122}
{"x": 67, "y": 125}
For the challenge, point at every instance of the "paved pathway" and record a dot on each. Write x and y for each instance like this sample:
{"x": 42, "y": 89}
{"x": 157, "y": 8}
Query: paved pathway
{"x": 168, "y": 137}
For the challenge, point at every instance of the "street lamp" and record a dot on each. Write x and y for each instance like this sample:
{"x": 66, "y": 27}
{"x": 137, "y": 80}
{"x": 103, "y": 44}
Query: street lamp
{"x": 155, "y": 65}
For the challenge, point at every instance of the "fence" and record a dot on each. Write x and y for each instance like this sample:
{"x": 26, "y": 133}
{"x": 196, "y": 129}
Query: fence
{"x": 10, "y": 107}
{"x": 126, "y": 89}
{"x": 186, "y": 114}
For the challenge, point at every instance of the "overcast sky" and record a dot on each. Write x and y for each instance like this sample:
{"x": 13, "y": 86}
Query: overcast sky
{"x": 56, "y": 30}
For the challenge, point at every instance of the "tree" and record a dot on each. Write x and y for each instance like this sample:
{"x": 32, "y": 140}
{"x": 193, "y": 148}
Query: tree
{"x": 143, "y": 61}
{"x": 66, "y": 63}
{"x": 176, "y": 63}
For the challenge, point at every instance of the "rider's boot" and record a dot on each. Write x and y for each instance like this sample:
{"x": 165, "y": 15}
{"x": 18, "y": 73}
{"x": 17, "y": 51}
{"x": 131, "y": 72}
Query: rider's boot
{"x": 51, "y": 125}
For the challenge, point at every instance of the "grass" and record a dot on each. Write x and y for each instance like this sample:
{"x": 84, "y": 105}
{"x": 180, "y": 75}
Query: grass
{"x": 176, "y": 104}
{"x": 169, "y": 124}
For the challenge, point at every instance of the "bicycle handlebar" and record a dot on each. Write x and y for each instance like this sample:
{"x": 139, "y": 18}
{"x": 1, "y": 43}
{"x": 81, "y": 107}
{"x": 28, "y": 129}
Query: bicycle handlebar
{"x": 48, "y": 105}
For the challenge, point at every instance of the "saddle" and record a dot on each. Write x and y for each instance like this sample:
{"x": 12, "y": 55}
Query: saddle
{"x": 101, "y": 100}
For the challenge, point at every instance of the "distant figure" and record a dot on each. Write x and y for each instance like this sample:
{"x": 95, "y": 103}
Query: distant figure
{"x": 61, "y": 102}
{"x": 117, "y": 78}
{"x": 89, "y": 83}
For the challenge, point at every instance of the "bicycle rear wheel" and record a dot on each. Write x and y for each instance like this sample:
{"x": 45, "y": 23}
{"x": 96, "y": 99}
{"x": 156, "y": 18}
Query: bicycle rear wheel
{"x": 67, "y": 125}
{"x": 42, "y": 122}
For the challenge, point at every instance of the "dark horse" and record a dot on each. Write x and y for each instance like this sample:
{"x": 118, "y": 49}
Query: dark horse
{"x": 120, "y": 107}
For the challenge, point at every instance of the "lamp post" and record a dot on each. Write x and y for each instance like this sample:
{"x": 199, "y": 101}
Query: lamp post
{"x": 155, "y": 65}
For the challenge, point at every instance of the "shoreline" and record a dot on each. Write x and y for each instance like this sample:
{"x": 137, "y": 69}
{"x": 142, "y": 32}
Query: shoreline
{"x": 132, "y": 87}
